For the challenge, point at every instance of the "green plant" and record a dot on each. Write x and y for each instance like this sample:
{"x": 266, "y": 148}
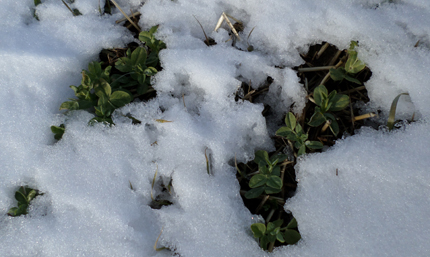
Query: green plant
{"x": 268, "y": 179}
{"x": 134, "y": 64}
{"x": 294, "y": 132}
{"x": 155, "y": 45}
{"x": 24, "y": 195}
{"x": 352, "y": 66}
{"x": 327, "y": 103}
{"x": 273, "y": 232}
{"x": 95, "y": 91}
{"x": 58, "y": 131}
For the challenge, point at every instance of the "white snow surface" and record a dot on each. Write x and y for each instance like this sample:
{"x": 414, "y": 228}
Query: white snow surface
{"x": 377, "y": 205}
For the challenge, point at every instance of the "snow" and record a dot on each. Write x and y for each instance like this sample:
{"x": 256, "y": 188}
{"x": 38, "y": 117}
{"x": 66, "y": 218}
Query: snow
{"x": 377, "y": 205}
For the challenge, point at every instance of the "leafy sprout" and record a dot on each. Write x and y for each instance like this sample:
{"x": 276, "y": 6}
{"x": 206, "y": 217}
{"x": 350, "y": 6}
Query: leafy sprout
{"x": 352, "y": 66}
{"x": 23, "y": 195}
{"x": 268, "y": 179}
{"x": 327, "y": 103}
{"x": 294, "y": 132}
{"x": 273, "y": 232}
{"x": 58, "y": 131}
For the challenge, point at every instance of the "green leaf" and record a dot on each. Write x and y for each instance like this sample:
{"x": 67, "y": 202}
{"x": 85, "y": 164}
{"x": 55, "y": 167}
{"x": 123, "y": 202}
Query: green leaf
{"x": 317, "y": 119}
{"x": 258, "y": 229}
{"x": 334, "y": 127}
{"x": 274, "y": 182}
{"x": 279, "y": 157}
{"x": 352, "y": 45}
{"x": 278, "y": 223}
{"x": 264, "y": 241}
{"x": 320, "y": 93}
{"x": 354, "y": 80}
{"x": 290, "y": 120}
{"x": 70, "y": 105}
{"x": 314, "y": 144}
{"x": 299, "y": 130}
{"x": 20, "y": 197}
{"x": 392, "y": 115}
{"x": 58, "y": 131}
{"x": 271, "y": 190}
{"x": 302, "y": 150}
{"x": 291, "y": 236}
{"x": 287, "y": 133}
{"x": 280, "y": 238}
{"x": 339, "y": 102}
{"x": 292, "y": 223}
{"x": 139, "y": 56}
{"x": 22, "y": 209}
{"x": 257, "y": 180}
{"x": 120, "y": 98}
{"x": 337, "y": 74}
{"x": 150, "y": 71}
{"x": 276, "y": 171}
{"x": 260, "y": 157}
{"x": 353, "y": 64}
{"x": 13, "y": 211}
{"x": 85, "y": 104}
{"x": 37, "y": 2}
{"x": 31, "y": 195}
{"x": 254, "y": 193}
{"x": 103, "y": 90}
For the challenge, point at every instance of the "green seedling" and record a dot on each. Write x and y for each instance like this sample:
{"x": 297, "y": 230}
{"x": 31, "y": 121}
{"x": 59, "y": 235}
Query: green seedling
{"x": 24, "y": 195}
{"x": 392, "y": 115}
{"x": 352, "y": 66}
{"x": 135, "y": 64}
{"x": 268, "y": 179}
{"x": 58, "y": 131}
{"x": 294, "y": 132}
{"x": 153, "y": 44}
{"x": 33, "y": 10}
{"x": 327, "y": 103}
{"x": 273, "y": 232}
{"x": 96, "y": 92}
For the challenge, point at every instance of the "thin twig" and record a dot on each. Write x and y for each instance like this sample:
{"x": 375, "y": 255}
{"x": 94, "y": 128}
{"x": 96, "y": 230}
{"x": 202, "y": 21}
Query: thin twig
{"x": 124, "y": 19}
{"x": 309, "y": 69}
{"x": 125, "y": 15}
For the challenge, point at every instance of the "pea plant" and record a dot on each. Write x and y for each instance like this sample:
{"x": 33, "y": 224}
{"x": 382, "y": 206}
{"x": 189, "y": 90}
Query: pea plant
{"x": 294, "y": 132}
{"x": 327, "y": 103}
{"x": 24, "y": 195}
{"x": 268, "y": 179}
{"x": 105, "y": 89}
{"x": 273, "y": 232}
{"x": 352, "y": 66}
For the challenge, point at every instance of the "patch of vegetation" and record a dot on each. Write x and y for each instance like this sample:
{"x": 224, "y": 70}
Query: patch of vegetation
{"x": 334, "y": 81}
{"x": 24, "y": 195}
{"x": 294, "y": 132}
{"x": 273, "y": 232}
{"x": 123, "y": 76}
{"x": 268, "y": 179}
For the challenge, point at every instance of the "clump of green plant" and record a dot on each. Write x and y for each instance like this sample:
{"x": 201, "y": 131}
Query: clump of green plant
{"x": 352, "y": 66}
{"x": 268, "y": 179}
{"x": 294, "y": 132}
{"x": 24, "y": 195}
{"x": 273, "y": 232}
{"x": 155, "y": 45}
{"x": 104, "y": 92}
{"x": 58, "y": 131}
{"x": 327, "y": 103}
{"x": 96, "y": 92}
{"x": 137, "y": 73}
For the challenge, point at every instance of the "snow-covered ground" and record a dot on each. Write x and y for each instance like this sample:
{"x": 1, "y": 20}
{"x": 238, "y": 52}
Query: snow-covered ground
{"x": 378, "y": 205}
